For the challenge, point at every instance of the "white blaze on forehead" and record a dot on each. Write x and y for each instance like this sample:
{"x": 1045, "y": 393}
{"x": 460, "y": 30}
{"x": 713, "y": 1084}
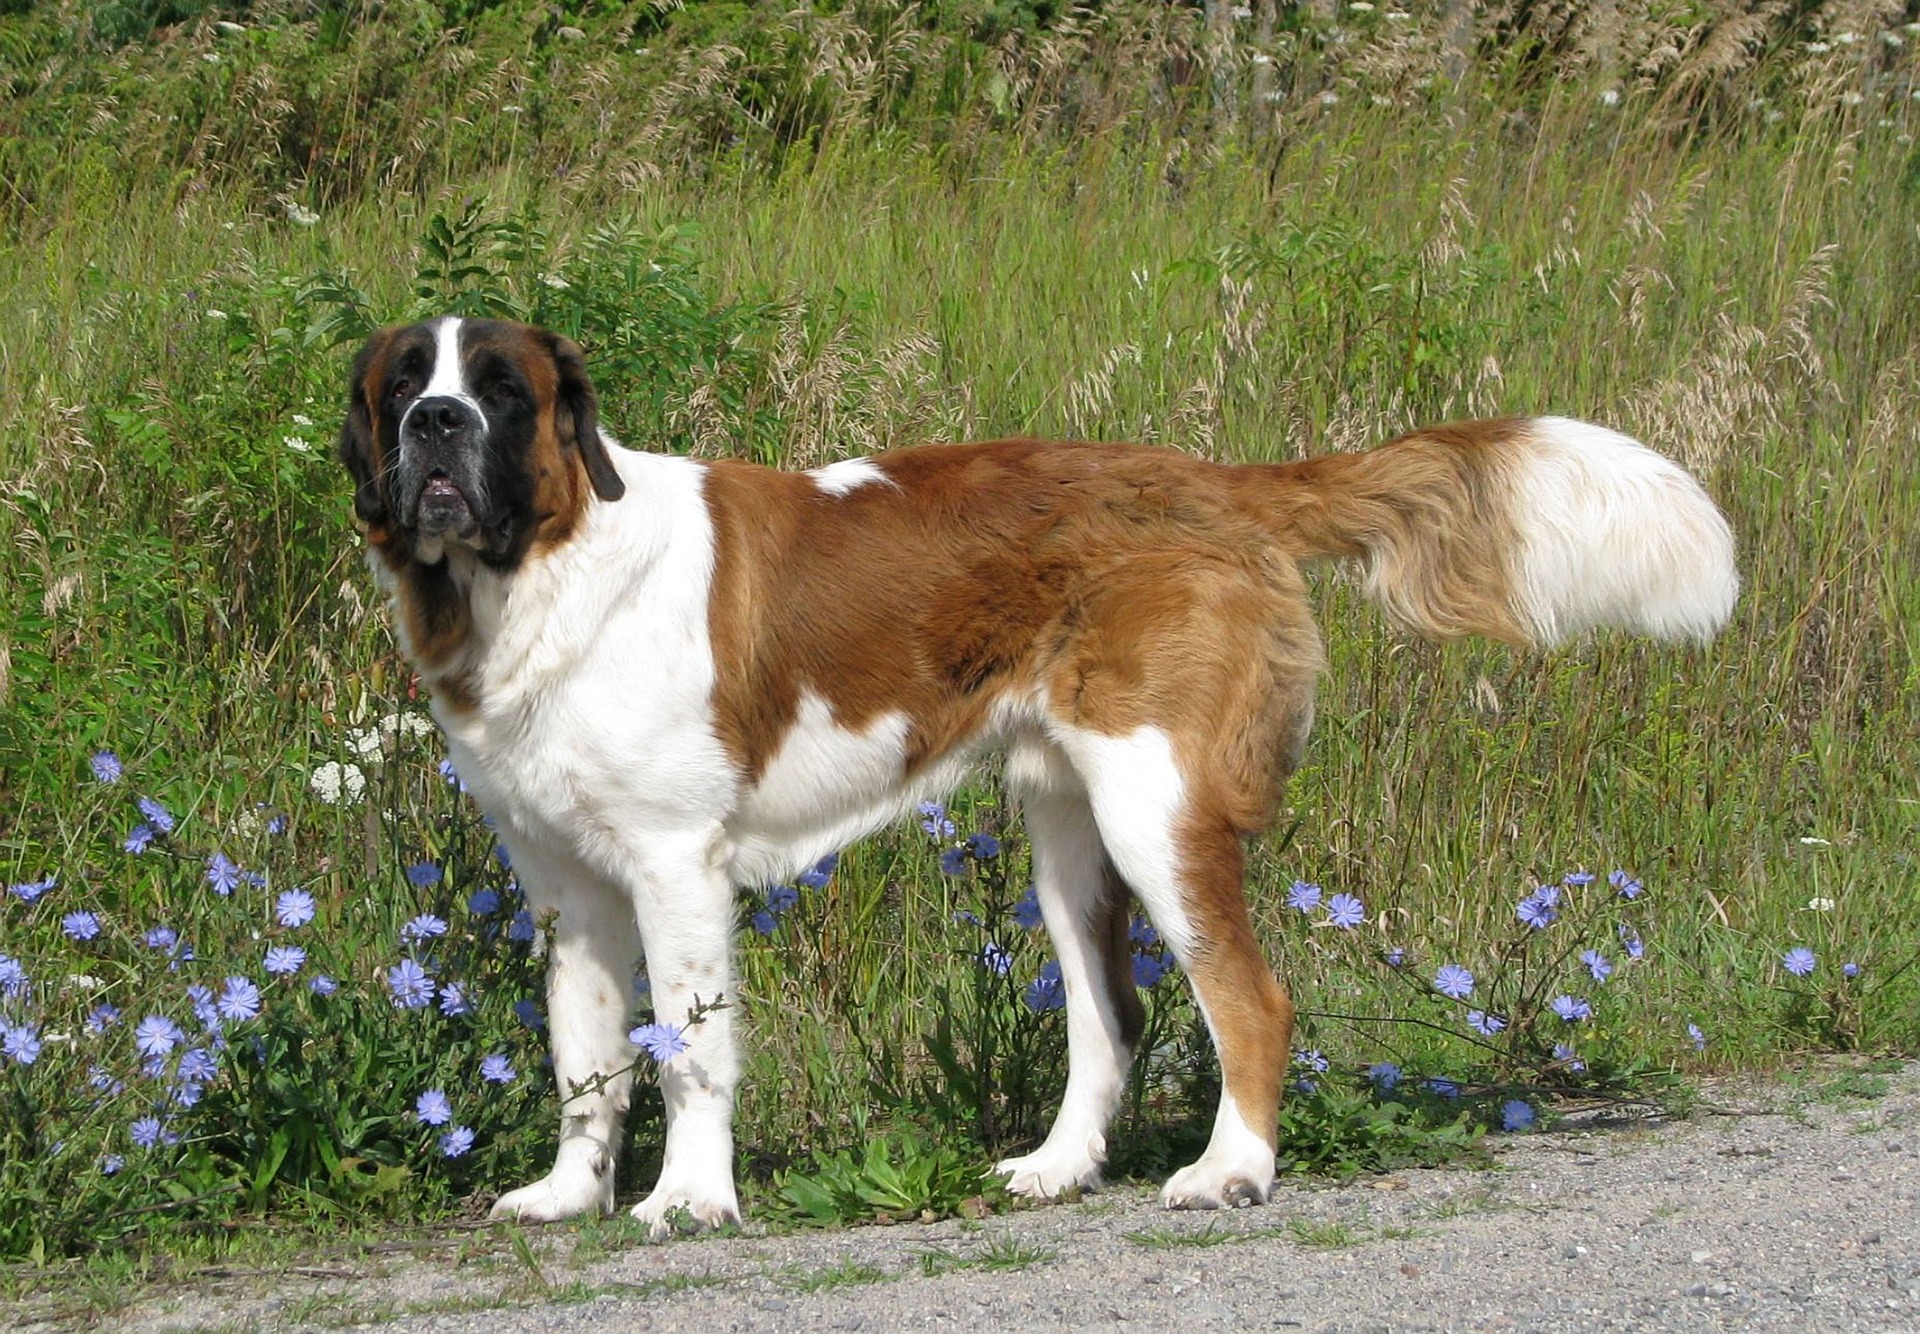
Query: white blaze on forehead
{"x": 449, "y": 378}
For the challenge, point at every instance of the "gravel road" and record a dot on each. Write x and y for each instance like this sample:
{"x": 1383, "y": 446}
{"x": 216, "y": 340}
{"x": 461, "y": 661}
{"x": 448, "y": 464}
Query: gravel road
{"x": 1790, "y": 1205}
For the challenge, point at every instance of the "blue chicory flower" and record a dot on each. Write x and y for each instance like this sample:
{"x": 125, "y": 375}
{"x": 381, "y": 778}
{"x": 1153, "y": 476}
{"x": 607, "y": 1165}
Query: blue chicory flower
{"x": 1453, "y": 981}
{"x": 411, "y": 986}
{"x": 1149, "y": 968}
{"x": 146, "y": 1132}
{"x": 1536, "y": 912}
{"x": 424, "y": 927}
{"x": 1026, "y": 913}
{"x": 29, "y": 891}
{"x": 1799, "y": 961}
{"x": 1573, "y": 1009}
{"x": 1625, "y": 885}
{"x": 294, "y": 908}
{"x": 817, "y": 875}
{"x": 106, "y": 766}
{"x": 20, "y": 1043}
{"x": 222, "y": 874}
{"x": 1303, "y": 896}
{"x": 239, "y": 1000}
{"x": 1486, "y": 1025}
{"x": 1515, "y": 1116}
{"x": 156, "y": 1035}
{"x": 432, "y": 1108}
{"x": 496, "y": 1069}
{"x": 1046, "y": 991}
{"x": 660, "y": 1041}
{"x": 157, "y": 816}
{"x": 1345, "y": 911}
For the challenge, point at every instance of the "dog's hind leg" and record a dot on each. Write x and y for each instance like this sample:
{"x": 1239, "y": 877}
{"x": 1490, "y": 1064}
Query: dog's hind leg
{"x": 590, "y": 966}
{"x": 1185, "y": 862}
{"x": 1084, "y": 905}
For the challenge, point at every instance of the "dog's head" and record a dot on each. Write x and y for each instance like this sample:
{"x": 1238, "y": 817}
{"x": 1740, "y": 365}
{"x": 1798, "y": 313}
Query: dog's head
{"x": 472, "y": 433}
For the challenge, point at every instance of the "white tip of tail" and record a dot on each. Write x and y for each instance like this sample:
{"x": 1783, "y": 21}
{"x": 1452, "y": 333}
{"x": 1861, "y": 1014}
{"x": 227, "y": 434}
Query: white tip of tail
{"x": 1613, "y": 534}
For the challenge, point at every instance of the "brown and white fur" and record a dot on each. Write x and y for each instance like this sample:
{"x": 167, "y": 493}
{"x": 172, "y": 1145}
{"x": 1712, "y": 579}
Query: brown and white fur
{"x": 665, "y": 678}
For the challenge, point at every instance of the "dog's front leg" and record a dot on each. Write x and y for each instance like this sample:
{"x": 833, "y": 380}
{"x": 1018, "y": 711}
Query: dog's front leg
{"x": 685, "y": 905}
{"x": 590, "y": 965}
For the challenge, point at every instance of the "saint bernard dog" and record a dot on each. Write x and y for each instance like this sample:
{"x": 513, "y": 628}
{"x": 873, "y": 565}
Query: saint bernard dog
{"x": 667, "y": 677}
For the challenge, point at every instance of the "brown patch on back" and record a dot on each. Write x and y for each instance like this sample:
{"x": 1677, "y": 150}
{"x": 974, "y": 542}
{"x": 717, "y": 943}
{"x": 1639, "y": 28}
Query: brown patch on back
{"x": 980, "y": 571}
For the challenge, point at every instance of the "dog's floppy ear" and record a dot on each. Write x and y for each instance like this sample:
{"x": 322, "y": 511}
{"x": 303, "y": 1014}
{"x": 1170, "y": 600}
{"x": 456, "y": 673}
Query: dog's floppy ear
{"x": 357, "y": 448}
{"x": 577, "y": 416}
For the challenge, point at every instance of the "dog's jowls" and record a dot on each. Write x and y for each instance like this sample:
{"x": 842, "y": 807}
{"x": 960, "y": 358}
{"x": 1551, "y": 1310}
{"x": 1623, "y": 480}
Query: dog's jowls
{"x": 665, "y": 678}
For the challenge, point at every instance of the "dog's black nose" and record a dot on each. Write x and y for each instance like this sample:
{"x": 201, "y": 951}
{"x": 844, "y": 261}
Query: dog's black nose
{"x": 440, "y": 417}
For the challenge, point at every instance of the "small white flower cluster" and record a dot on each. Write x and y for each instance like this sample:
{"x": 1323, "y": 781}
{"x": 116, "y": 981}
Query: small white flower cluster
{"x": 338, "y": 784}
{"x": 373, "y": 741}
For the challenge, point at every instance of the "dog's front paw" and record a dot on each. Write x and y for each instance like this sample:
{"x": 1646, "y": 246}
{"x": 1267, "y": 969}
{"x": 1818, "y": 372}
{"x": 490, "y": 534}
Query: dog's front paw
{"x": 685, "y": 1208}
{"x": 1048, "y": 1173}
{"x": 558, "y": 1195}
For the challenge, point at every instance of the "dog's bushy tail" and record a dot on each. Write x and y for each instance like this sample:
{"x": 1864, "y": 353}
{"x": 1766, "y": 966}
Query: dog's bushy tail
{"x": 1528, "y": 529}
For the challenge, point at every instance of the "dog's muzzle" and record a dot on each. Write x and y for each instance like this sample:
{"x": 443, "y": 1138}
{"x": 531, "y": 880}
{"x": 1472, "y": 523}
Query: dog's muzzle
{"x": 441, "y": 441}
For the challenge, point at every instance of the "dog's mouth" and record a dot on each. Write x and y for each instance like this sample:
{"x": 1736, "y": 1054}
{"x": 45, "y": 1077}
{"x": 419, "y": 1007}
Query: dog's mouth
{"x": 444, "y": 510}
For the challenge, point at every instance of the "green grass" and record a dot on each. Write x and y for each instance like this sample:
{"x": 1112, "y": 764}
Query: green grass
{"x": 1037, "y": 232}
{"x": 844, "y": 1274}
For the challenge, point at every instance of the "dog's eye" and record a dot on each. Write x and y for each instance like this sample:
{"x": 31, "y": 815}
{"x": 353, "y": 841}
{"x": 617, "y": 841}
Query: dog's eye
{"x": 504, "y": 393}
{"x": 401, "y": 388}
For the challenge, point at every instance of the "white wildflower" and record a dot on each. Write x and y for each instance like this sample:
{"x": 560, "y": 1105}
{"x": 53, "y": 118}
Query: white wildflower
{"x": 1329, "y": 98}
{"x": 296, "y": 444}
{"x": 1610, "y": 97}
{"x": 300, "y": 214}
{"x": 338, "y": 784}
{"x": 301, "y": 419}
{"x": 1819, "y": 905}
